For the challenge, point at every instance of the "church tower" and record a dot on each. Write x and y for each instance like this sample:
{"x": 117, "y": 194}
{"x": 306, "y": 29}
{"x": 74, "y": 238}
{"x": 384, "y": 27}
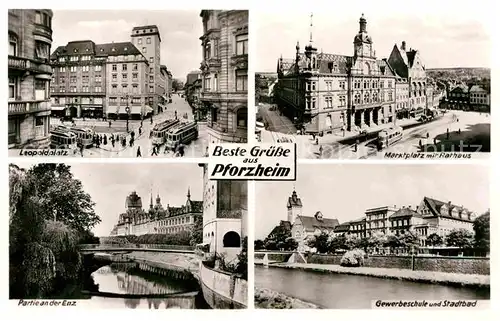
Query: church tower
{"x": 364, "y": 55}
{"x": 311, "y": 52}
{"x": 294, "y": 207}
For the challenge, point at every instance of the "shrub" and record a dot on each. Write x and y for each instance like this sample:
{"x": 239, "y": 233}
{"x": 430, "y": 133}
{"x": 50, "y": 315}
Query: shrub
{"x": 353, "y": 258}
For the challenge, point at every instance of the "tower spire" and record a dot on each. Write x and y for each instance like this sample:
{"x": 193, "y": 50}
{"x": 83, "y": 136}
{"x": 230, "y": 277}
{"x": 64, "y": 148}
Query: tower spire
{"x": 189, "y": 193}
{"x": 310, "y": 30}
{"x": 151, "y": 200}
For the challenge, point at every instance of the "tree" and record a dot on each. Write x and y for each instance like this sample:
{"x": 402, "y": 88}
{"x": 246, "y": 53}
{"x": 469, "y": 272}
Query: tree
{"x": 461, "y": 238}
{"x": 482, "y": 232}
{"x": 62, "y": 197}
{"x": 196, "y": 235}
{"x": 337, "y": 243}
{"x": 319, "y": 242}
{"x": 352, "y": 241}
{"x": 258, "y": 245}
{"x": 177, "y": 84}
{"x": 410, "y": 241}
{"x": 290, "y": 244}
{"x": 393, "y": 241}
{"x": 434, "y": 240}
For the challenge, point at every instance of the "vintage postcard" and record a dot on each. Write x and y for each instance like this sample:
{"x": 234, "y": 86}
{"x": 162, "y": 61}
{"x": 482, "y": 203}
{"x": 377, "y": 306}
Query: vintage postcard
{"x": 122, "y": 83}
{"x": 393, "y": 85}
{"x": 347, "y": 237}
{"x": 162, "y": 236}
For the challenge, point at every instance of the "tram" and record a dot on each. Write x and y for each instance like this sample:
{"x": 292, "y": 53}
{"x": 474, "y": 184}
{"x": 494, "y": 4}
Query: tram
{"x": 160, "y": 131}
{"x": 389, "y": 136}
{"x": 61, "y": 137}
{"x": 84, "y": 136}
{"x": 182, "y": 133}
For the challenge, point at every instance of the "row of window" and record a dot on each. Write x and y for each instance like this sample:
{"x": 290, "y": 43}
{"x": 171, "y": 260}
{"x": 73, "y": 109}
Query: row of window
{"x": 74, "y": 89}
{"x": 148, "y": 40}
{"x": 329, "y": 101}
{"x": 114, "y": 67}
{"x": 89, "y": 57}
{"x": 241, "y": 122}
{"x": 114, "y": 77}
{"x": 42, "y": 49}
{"x": 76, "y": 100}
{"x": 41, "y": 90}
{"x": 176, "y": 221}
{"x": 211, "y": 48}
{"x": 372, "y": 84}
{"x": 124, "y": 89}
{"x": 123, "y": 100}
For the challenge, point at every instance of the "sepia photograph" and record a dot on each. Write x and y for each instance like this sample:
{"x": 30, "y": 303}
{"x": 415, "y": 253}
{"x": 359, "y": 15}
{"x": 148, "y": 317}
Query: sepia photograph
{"x": 123, "y": 83}
{"x": 347, "y": 236}
{"x": 163, "y": 236}
{"x": 352, "y": 85}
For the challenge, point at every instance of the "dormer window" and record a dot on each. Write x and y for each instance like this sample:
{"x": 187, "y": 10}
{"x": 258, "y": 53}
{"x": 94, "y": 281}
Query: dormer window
{"x": 125, "y": 49}
{"x": 75, "y": 50}
{"x": 102, "y": 49}
{"x": 113, "y": 49}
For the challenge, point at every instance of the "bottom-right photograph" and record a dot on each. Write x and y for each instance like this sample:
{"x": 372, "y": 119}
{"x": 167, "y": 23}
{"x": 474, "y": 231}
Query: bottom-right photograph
{"x": 358, "y": 236}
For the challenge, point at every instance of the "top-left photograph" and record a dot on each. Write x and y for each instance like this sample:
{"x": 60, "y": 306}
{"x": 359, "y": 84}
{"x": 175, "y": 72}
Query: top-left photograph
{"x": 122, "y": 83}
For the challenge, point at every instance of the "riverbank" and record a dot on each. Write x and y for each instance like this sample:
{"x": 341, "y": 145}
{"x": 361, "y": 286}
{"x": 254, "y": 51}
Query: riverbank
{"x": 188, "y": 262}
{"x": 452, "y": 279}
{"x": 269, "y": 299}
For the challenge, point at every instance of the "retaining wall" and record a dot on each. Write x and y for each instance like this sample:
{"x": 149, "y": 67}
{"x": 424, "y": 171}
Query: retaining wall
{"x": 223, "y": 290}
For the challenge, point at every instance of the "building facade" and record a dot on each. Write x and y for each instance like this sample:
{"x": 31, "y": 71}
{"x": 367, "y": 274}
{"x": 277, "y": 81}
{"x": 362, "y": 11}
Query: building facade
{"x": 225, "y": 73}
{"x": 29, "y": 73}
{"x": 100, "y": 80}
{"x": 377, "y": 219}
{"x": 147, "y": 39}
{"x": 225, "y": 212}
{"x": 327, "y": 93}
{"x": 157, "y": 219}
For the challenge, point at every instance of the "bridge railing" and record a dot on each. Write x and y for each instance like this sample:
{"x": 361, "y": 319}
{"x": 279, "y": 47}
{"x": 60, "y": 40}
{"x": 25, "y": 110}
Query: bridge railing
{"x": 136, "y": 246}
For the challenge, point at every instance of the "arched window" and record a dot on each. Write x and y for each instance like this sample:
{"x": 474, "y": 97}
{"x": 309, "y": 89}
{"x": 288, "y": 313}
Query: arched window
{"x": 366, "y": 69}
{"x": 367, "y": 98}
{"x": 12, "y": 44}
{"x": 357, "y": 99}
{"x": 241, "y": 117}
{"x": 374, "y": 99}
{"x": 231, "y": 239}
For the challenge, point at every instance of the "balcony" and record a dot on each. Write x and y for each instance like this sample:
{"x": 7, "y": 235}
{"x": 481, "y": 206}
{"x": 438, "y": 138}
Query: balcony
{"x": 28, "y": 107}
{"x": 25, "y": 64}
{"x": 239, "y": 61}
{"x": 44, "y": 31}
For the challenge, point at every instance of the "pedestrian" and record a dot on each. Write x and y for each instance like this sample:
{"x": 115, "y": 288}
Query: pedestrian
{"x": 132, "y": 134}
{"x": 139, "y": 151}
{"x": 320, "y": 150}
{"x": 131, "y": 142}
{"x": 81, "y": 149}
{"x": 151, "y": 119}
{"x": 427, "y": 135}
{"x": 181, "y": 150}
{"x": 176, "y": 114}
{"x": 356, "y": 145}
{"x": 113, "y": 143}
{"x": 317, "y": 141}
{"x": 140, "y": 131}
{"x": 105, "y": 140}
{"x": 154, "y": 153}
{"x": 420, "y": 143}
{"x": 447, "y": 133}
{"x": 150, "y": 133}
{"x": 314, "y": 136}
{"x": 459, "y": 131}
{"x": 110, "y": 124}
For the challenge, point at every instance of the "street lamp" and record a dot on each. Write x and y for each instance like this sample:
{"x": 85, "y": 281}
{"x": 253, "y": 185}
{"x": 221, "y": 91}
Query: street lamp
{"x": 127, "y": 109}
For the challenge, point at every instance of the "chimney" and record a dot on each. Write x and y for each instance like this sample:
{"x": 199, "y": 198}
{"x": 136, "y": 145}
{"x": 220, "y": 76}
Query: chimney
{"x": 403, "y": 45}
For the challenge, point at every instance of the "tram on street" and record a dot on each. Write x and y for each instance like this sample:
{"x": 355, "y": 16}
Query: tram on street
{"x": 389, "y": 136}
{"x": 159, "y": 134}
{"x": 182, "y": 133}
{"x": 61, "y": 137}
{"x": 84, "y": 136}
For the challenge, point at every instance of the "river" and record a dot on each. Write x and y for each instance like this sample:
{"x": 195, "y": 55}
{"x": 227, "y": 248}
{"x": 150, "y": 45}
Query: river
{"x": 342, "y": 291}
{"x": 125, "y": 279}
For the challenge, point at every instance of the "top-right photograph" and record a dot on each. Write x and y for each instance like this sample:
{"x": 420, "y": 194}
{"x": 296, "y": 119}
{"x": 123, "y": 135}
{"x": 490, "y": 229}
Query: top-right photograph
{"x": 361, "y": 86}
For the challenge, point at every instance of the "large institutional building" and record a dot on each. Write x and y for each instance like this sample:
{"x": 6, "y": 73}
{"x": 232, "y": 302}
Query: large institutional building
{"x": 329, "y": 92}
{"x": 29, "y": 73}
{"x": 102, "y": 80}
{"x": 157, "y": 219}
{"x": 225, "y": 73}
{"x": 224, "y": 214}
{"x": 430, "y": 216}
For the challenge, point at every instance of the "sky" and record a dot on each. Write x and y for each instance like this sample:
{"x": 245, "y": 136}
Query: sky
{"x": 109, "y": 185}
{"x": 447, "y": 35}
{"x": 179, "y": 31}
{"x": 346, "y": 191}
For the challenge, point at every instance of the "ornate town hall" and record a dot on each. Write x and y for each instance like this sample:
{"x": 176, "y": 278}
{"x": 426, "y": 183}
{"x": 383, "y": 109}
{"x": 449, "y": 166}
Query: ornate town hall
{"x": 330, "y": 93}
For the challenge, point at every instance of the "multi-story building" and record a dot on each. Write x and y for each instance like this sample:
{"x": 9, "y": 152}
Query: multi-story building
{"x": 342, "y": 229}
{"x": 29, "y": 73}
{"x": 158, "y": 219}
{"x": 377, "y": 219}
{"x": 458, "y": 97}
{"x": 224, "y": 214}
{"x": 100, "y": 80}
{"x": 358, "y": 227}
{"x": 479, "y": 98}
{"x": 225, "y": 73}
{"x": 325, "y": 93}
{"x": 147, "y": 39}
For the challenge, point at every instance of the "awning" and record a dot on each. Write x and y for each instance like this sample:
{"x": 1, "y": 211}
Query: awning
{"x": 134, "y": 110}
{"x": 57, "y": 107}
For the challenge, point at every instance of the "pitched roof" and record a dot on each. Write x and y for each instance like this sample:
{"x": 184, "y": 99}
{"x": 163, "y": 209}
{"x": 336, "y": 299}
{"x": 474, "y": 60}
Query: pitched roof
{"x": 286, "y": 225}
{"x": 88, "y": 47}
{"x": 337, "y": 62}
{"x": 411, "y": 57}
{"x": 344, "y": 227}
{"x": 145, "y": 27}
{"x": 404, "y": 212}
{"x": 359, "y": 220}
{"x": 196, "y": 206}
{"x": 436, "y": 205}
{"x": 311, "y": 223}
{"x": 477, "y": 88}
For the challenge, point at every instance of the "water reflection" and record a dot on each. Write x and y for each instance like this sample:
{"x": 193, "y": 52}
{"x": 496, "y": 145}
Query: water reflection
{"x": 341, "y": 291}
{"x": 126, "y": 279}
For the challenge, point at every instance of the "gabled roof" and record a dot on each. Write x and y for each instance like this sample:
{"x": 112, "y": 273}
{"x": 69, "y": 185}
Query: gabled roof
{"x": 344, "y": 227}
{"x": 359, "y": 220}
{"x": 286, "y": 225}
{"x": 196, "y": 206}
{"x": 311, "y": 223}
{"x": 411, "y": 57}
{"x": 436, "y": 205}
{"x": 477, "y": 88}
{"x": 337, "y": 62}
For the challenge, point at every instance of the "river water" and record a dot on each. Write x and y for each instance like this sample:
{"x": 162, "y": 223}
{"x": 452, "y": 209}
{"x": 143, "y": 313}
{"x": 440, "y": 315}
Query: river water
{"x": 126, "y": 279}
{"x": 342, "y": 291}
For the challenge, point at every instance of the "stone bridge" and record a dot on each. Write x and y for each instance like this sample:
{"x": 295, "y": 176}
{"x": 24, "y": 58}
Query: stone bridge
{"x": 269, "y": 257}
{"x": 170, "y": 258}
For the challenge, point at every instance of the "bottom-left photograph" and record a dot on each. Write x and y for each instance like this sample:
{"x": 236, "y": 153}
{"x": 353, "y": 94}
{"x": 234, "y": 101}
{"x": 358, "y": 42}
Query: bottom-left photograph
{"x": 127, "y": 236}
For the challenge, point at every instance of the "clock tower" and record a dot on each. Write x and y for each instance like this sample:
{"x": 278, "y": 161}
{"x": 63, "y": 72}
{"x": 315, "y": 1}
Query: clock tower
{"x": 362, "y": 41}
